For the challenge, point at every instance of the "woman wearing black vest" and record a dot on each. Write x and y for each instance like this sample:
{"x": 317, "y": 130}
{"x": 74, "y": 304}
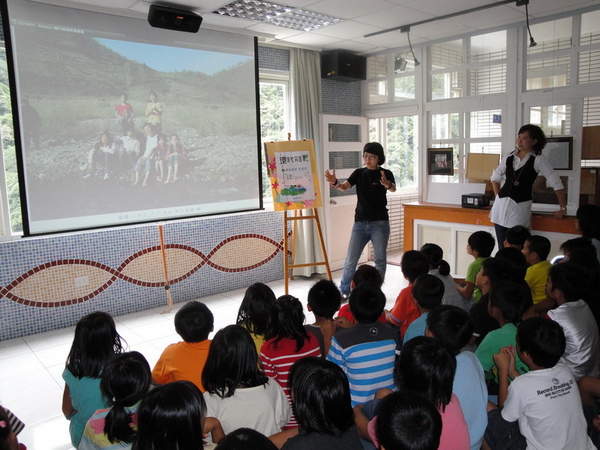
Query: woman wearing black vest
{"x": 520, "y": 168}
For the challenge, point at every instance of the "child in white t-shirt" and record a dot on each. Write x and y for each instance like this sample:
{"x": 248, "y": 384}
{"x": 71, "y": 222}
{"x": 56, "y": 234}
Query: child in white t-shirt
{"x": 540, "y": 409}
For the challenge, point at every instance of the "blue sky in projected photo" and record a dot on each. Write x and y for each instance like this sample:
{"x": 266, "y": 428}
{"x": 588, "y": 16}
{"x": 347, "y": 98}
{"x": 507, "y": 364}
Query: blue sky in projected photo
{"x": 173, "y": 59}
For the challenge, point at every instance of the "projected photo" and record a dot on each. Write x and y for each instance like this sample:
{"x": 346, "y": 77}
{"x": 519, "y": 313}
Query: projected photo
{"x": 119, "y": 131}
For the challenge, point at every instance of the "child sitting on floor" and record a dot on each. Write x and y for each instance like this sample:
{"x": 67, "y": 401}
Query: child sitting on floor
{"x": 542, "y": 409}
{"x": 480, "y": 246}
{"x": 404, "y": 312}
{"x": 185, "y": 360}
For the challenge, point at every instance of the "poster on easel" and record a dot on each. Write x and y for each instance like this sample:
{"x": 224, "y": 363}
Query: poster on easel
{"x": 292, "y": 170}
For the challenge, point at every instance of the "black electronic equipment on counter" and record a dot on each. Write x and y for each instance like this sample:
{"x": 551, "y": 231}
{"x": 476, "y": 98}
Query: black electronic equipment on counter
{"x": 475, "y": 201}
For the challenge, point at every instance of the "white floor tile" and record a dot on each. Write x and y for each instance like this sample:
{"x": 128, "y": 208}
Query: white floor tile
{"x": 50, "y": 339}
{"x": 13, "y": 347}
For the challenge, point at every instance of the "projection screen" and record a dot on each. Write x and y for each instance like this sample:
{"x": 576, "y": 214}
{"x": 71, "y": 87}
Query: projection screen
{"x": 123, "y": 123}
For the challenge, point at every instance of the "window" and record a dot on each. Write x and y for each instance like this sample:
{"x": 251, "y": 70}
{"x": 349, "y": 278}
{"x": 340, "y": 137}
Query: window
{"x": 10, "y": 177}
{"x": 470, "y": 132}
{"x": 589, "y": 57}
{"x": 398, "y": 135}
{"x": 392, "y": 73}
{"x": 274, "y": 119}
{"x": 549, "y": 62}
{"x": 446, "y": 77}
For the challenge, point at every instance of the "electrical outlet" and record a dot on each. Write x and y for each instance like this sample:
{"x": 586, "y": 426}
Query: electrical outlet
{"x": 82, "y": 281}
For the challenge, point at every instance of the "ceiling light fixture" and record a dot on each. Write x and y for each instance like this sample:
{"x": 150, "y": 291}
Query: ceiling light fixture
{"x": 275, "y": 14}
{"x": 406, "y": 30}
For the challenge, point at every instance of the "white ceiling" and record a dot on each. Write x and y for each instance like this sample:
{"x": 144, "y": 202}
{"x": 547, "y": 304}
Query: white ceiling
{"x": 361, "y": 17}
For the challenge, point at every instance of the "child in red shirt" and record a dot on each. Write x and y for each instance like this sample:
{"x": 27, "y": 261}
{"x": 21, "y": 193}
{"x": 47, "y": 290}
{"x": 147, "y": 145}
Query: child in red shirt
{"x": 404, "y": 311}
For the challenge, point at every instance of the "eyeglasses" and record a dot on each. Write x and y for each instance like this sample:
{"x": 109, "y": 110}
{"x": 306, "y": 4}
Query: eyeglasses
{"x": 370, "y": 157}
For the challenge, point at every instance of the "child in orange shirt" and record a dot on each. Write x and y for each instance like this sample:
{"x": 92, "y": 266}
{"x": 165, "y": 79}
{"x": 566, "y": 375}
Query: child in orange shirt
{"x": 185, "y": 360}
{"x": 404, "y": 311}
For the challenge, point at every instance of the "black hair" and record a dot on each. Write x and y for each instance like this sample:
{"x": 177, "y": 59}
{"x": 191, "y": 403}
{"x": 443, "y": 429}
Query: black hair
{"x": 543, "y": 340}
{"x": 570, "y": 280}
{"x": 580, "y": 250}
{"x": 366, "y": 272}
{"x": 426, "y": 367}
{"x": 170, "y": 417}
{"x": 287, "y": 321}
{"x": 413, "y": 264}
{"x": 255, "y": 308}
{"x": 499, "y": 269}
{"x": 435, "y": 255}
{"x": 482, "y": 242}
{"x": 245, "y": 439}
{"x": 513, "y": 262}
{"x": 517, "y": 235}
{"x": 320, "y": 397}
{"x": 588, "y": 217}
{"x": 324, "y": 298}
{"x": 367, "y": 302}
{"x": 540, "y": 245}
{"x": 125, "y": 381}
{"x": 95, "y": 344}
{"x": 507, "y": 296}
{"x": 451, "y": 325}
{"x": 232, "y": 363}
{"x": 6, "y": 433}
{"x": 408, "y": 421}
{"x": 194, "y": 322}
{"x": 582, "y": 254}
{"x": 428, "y": 291}
{"x": 375, "y": 148}
{"x": 535, "y": 133}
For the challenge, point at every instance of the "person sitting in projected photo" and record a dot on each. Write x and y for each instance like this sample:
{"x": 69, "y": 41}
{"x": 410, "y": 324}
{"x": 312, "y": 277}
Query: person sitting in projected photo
{"x": 101, "y": 155}
{"x": 131, "y": 150}
{"x": 176, "y": 155}
{"x": 154, "y": 111}
{"x": 146, "y": 162}
{"x": 124, "y": 114}
{"x": 160, "y": 155}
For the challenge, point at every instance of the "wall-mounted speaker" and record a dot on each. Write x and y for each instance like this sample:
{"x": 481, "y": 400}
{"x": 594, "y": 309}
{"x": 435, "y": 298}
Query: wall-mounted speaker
{"x": 173, "y": 18}
{"x": 343, "y": 66}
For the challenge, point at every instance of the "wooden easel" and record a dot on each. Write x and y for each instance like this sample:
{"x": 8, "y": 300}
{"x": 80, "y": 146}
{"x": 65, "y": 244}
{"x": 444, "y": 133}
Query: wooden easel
{"x": 286, "y": 265}
{"x": 297, "y": 157}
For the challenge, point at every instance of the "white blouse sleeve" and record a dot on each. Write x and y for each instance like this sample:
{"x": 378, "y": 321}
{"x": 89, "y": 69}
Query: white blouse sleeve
{"x": 500, "y": 171}
{"x": 542, "y": 166}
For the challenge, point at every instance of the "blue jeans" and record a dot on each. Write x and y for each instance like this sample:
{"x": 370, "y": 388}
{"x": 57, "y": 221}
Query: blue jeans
{"x": 378, "y": 232}
{"x": 500, "y": 234}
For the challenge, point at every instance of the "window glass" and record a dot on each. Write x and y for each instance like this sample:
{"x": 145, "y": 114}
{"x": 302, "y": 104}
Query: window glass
{"x": 488, "y": 47}
{"x": 551, "y": 36}
{"x": 377, "y": 66}
{"x": 590, "y": 28}
{"x": 378, "y": 92}
{"x": 273, "y": 120}
{"x": 445, "y": 126}
{"x": 446, "y": 54}
{"x": 554, "y": 120}
{"x": 8, "y": 144}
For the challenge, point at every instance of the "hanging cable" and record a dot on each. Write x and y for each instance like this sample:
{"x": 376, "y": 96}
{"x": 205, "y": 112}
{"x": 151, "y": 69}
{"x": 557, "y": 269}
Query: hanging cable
{"x": 407, "y": 31}
{"x": 532, "y": 42}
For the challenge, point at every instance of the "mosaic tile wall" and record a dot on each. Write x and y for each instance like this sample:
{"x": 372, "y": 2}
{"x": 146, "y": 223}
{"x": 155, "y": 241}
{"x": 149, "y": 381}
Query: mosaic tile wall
{"x": 51, "y": 282}
{"x": 273, "y": 58}
{"x": 339, "y": 97}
